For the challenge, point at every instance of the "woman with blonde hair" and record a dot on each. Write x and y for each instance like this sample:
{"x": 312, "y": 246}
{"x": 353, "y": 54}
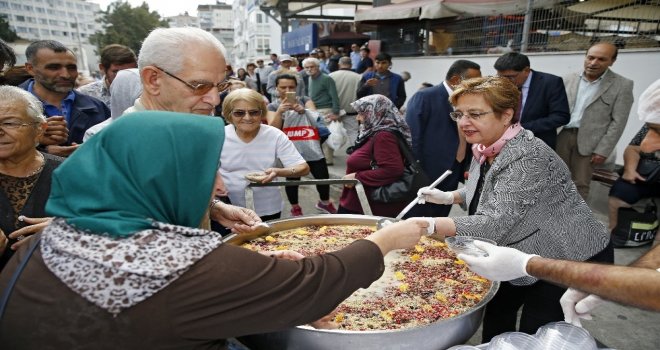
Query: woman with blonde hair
{"x": 251, "y": 146}
{"x": 519, "y": 193}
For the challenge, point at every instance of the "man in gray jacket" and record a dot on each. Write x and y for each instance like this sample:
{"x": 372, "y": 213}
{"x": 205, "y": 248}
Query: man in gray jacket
{"x": 599, "y": 101}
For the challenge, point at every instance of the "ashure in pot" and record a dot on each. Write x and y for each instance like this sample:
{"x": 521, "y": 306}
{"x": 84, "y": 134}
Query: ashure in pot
{"x": 437, "y": 335}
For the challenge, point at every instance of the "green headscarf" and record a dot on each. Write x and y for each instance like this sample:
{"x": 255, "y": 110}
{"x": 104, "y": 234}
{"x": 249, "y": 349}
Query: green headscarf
{"x": 149, "y": 166}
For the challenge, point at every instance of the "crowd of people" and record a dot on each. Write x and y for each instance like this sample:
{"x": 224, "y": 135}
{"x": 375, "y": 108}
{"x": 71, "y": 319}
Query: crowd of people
{"x": 115, "y": 235}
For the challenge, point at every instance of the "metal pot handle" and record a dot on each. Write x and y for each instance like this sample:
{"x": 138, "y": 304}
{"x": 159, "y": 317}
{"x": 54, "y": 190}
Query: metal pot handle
{"x": 362, "y": 196}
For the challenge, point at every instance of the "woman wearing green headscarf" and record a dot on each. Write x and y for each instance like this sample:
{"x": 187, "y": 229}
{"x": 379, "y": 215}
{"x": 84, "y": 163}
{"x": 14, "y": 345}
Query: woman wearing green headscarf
{"x": 123, "y": 266}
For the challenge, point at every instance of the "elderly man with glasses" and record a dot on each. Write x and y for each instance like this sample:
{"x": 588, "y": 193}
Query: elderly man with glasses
{"x": 175, "y": 82}
{"x": 323, "y": 92}
{"x": 188, "y": 83}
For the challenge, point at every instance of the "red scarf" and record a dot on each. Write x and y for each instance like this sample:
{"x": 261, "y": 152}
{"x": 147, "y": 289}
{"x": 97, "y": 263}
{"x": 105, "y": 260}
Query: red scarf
{"x": 481, "y": 152}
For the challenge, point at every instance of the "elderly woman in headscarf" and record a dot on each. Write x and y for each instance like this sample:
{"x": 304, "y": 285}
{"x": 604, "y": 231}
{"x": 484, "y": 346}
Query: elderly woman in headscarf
{"x": 519, "y": 193}
{"x": 124, "y": 90}
{"x": 375, "y": 159}
{"x": 24, "y": 171}
{"x": 122, "y": 266}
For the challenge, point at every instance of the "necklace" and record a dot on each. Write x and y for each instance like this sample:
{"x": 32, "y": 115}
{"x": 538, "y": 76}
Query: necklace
{"x": 42, "y": 162}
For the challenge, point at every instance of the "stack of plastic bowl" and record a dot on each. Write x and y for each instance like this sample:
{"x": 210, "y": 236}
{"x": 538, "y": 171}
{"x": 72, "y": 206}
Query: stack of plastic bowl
{"x": 515, "y": 341}
{"x": 553, "y": 336}
{"x": 465, "y": 245}
{"x": 565, "y": 336}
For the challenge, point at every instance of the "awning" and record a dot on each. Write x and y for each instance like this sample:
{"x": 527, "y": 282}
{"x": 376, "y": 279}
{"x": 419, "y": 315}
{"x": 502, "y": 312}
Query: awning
{"x": 637, "y": 12}
{"x": 594, "y": 6}
{"x": 403, "y": 10}
{"x": 493, "y": 7}
{"x": 433, "y": 9}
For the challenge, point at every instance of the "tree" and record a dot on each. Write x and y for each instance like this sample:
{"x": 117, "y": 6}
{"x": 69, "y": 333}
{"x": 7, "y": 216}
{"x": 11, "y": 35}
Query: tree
{"x": 6, "y": 33}
{"x": 126, "y": 25}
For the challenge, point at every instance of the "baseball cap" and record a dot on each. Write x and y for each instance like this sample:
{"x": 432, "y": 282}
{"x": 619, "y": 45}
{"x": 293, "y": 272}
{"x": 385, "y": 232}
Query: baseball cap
{"x": 285, "y": 57}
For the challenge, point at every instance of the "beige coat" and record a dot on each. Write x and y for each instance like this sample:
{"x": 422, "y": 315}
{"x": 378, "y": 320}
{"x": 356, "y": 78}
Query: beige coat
{"x": 606, "y": 114}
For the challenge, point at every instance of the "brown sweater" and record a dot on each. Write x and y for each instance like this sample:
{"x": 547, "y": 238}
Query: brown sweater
{"x": 230, "y": 292}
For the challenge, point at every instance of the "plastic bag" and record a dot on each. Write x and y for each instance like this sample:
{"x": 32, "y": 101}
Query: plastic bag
{"x": 338, "y": 135}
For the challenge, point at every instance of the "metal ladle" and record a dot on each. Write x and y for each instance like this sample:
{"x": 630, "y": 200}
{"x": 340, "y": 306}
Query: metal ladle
{"x": 386, "y": 221}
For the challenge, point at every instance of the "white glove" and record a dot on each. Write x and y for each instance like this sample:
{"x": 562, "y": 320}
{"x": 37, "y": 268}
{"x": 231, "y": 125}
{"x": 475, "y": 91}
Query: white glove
{"x": 501, "y": 264}
{"x": 432, "y": 195}
{"x": 577, "y": 305}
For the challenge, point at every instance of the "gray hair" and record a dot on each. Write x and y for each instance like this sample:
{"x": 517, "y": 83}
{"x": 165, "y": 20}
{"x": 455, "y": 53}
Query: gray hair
{"x": 312, "y": 60}
{"x": 34, "y": 109}
{"x": 124, "y": 90}
{"x": 166, "y": 47}
{"x": 345, "y": 61}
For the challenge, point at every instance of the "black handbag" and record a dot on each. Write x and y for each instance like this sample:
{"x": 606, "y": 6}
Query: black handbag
{"x": 633, "y": 228}
{"x": 649, "y": 169}
{"x": 404, "y": 189}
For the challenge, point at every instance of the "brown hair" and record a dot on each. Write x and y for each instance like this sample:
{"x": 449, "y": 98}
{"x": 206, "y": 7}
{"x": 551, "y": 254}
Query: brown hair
{"x": 117, "y": 54}
{"x": 499, "y": 93}
{"x": 247, "y": 95}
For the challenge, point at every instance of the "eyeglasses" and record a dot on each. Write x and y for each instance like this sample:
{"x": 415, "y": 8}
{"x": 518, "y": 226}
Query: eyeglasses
{"x": 239, "y": 113}
{"x": 15, "y": 125}
{"x": 199, "y": 89}
{"x": 509, "y": 76}
{"x": 473, "y": 116}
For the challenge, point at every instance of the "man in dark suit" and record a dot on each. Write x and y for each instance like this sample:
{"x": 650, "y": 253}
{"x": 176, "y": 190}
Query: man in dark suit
{"x": 436, "y": 141}
{"x": 544, "y": 106}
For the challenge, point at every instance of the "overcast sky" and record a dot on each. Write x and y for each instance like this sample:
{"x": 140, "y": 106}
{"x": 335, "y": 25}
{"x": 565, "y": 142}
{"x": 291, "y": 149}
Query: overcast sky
{"x": 165, "y": 8}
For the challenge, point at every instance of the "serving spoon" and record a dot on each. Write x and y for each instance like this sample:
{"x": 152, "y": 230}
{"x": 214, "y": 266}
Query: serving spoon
{"x": 386, "y": 221}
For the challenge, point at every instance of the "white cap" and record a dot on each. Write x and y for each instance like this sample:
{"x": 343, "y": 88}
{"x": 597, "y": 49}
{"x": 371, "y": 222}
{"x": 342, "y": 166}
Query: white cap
{"x": 648, "y": 108}
{"x": 285, "y": 57}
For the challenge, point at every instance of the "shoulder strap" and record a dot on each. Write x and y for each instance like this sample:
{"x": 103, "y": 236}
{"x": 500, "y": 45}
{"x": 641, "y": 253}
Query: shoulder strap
{"x": 405, "y": 150}
{"x": 17, "y": 273}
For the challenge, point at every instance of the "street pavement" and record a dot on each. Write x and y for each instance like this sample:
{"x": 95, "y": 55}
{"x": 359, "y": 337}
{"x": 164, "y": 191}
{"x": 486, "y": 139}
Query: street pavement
{"x": 614, "y": 326}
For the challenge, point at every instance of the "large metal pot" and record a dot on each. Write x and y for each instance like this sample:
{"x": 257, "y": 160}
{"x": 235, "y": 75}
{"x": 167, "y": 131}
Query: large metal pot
{"x": 438, "y": 335}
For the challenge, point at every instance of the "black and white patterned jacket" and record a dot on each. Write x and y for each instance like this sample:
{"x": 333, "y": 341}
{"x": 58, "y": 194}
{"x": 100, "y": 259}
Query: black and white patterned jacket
{"x": 530, "y": 203}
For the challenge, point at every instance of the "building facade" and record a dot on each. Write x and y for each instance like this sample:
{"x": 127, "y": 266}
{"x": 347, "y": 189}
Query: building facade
{"x": 183, "y": 20}
{"x": 70, "y": 22}
{"x": 217, "y": 20}
{"x": 255, "y": 34}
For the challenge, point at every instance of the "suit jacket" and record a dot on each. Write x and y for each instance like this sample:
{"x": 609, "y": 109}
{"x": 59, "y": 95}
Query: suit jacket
{"x": 546, "y": 107}
{"x": 434, "y": 134}
{"x": 529, "y": 202}
{"x": 606, "y": 114}
{"x": 86, "y": 112}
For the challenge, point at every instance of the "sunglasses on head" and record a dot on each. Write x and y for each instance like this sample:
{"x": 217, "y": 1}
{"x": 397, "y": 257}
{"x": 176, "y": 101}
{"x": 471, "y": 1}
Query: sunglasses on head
{"x": 199, "y": 88}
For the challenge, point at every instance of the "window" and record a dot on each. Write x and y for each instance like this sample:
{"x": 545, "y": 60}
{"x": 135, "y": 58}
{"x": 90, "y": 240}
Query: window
{"x": 20, "y": 18}
{"x": 21, "y": 30}
{"x": 45, "y": 31}
{"x": 4, "y": 5}
{"x": 40, "y": 10}
{"x": 52, "y": 22}
{"x": 43, "y": 21}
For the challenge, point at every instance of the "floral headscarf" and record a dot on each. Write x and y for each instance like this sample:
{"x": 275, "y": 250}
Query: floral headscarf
{"x": 379, "y": 114}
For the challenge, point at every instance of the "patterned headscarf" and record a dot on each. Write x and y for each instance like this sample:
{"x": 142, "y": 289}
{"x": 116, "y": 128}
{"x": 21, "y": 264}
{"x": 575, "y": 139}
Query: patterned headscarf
{"x": 379, "y": 114}
{"x": 119, "y": 184}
